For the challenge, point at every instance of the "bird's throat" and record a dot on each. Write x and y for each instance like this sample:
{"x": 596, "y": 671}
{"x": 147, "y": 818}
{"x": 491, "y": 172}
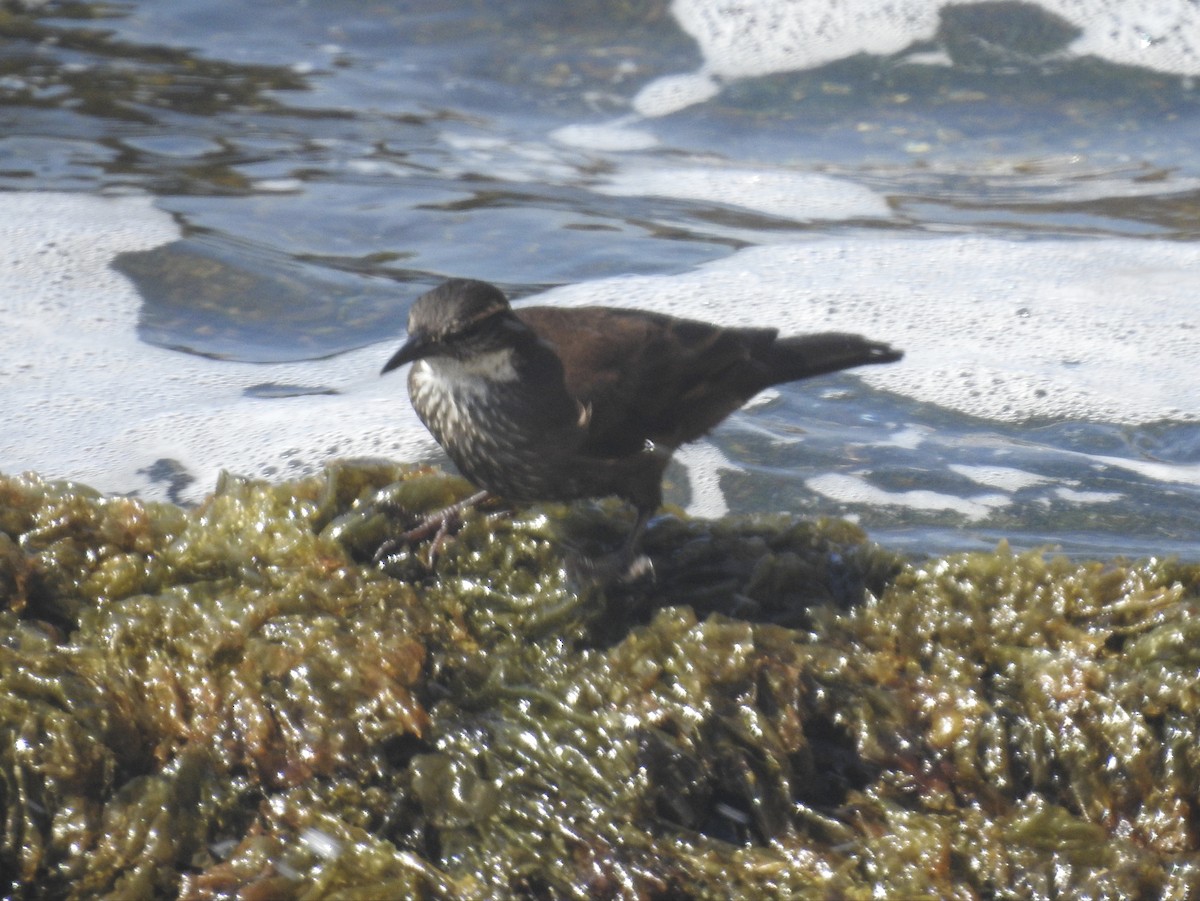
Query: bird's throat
{"x": 489, "y": 366}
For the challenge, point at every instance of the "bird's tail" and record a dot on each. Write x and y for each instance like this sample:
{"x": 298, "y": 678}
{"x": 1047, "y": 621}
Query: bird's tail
{"x": 802, "y": 356}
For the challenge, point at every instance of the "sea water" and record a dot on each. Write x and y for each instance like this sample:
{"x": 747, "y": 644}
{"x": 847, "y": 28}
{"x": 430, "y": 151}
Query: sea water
{"x": 214, "y": 218}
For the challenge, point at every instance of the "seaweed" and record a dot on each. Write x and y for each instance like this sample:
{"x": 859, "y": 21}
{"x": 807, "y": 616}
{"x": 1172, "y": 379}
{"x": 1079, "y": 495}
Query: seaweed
{"x": 236, "y": 700}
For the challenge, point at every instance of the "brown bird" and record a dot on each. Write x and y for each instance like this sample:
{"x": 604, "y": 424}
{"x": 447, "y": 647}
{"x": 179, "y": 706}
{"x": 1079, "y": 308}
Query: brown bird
{"x": 558, "y": 404}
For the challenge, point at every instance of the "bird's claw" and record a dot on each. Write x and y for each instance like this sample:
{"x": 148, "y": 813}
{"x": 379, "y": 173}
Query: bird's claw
{"x": 611, "y": 569}
{"x": 438, "y": 524}
{"x": 640, "y": 568}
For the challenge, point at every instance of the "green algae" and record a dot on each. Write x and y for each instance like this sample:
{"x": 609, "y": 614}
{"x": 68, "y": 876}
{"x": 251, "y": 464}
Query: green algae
{"x": 236, "y": 701}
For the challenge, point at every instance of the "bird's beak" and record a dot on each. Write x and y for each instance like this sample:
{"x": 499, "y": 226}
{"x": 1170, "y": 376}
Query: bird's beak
{"x": 416, "y": 347}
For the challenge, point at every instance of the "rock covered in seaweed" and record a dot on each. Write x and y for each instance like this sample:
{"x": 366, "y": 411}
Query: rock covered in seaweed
{"x": 233, "y": 700}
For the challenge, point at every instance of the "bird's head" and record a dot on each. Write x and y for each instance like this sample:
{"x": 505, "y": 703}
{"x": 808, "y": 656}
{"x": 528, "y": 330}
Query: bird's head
{"x": 460, "y": 318}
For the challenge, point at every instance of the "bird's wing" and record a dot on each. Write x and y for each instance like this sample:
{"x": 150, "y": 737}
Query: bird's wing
{"x": 649, "y": 377}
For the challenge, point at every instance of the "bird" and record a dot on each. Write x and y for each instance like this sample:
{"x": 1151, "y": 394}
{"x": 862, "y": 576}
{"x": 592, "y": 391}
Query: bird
{"x": 544, "y": 403}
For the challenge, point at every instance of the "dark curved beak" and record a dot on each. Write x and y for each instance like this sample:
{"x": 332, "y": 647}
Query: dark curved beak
{"x": 414, "y": 348}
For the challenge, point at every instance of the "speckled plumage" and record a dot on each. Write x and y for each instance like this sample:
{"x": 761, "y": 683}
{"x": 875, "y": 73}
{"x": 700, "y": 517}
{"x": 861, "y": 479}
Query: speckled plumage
{"x": 546, "y": 403}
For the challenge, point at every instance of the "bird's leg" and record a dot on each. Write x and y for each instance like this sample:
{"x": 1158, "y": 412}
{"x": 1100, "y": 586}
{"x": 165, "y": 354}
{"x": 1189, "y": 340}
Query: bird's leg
{"x": 621, "y": 566}
{"x": 636, "y": 565}
{"x": 436, "y": 524}
{"x": 440, "y": 521}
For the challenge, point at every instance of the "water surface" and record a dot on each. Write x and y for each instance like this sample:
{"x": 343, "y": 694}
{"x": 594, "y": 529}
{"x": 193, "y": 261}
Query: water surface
{"x": 1009, "y": 194}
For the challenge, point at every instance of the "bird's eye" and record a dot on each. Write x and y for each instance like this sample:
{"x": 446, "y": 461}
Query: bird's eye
{"x": 470, "y": 329}
{"x": 464, "y": 331}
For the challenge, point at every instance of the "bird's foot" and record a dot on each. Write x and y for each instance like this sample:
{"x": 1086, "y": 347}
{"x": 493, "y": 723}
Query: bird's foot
{"x": 440, "y": 525}
{"x": 615, "y": 568}
{"x": 624, "y": 567}
{"x": 640, "y": 568}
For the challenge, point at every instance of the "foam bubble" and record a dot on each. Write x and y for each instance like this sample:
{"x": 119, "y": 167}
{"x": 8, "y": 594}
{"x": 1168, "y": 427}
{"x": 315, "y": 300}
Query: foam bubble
{"x": 1101, "y": 330}
{"x": 86, "y": 400}
{"x": 1003, "y": 477}
{"x": 1180, "y": 473}
{"x": 1069, "y": 178}
{"x": 704, "y": 464}
{"x": 507, "y": 160}
{"x": 612, "y": 137}
{"x": 741, "y": 39}
{"x": 909, "y": 438}
{"x": 1075, "y": 496}
{"x": 671, "y": 93}
{"x": 849, "y": 488}
{"x": 801, "y": 196}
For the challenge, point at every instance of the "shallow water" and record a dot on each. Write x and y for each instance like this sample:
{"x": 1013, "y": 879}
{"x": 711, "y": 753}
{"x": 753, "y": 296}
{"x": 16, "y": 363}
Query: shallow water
{"x": 1012, "y": 199}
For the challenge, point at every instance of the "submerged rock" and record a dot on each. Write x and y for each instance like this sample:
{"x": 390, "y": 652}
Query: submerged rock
{"x": 235, "y": 700}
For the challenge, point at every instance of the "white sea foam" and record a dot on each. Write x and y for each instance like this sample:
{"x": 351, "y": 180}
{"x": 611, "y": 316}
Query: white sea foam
{"x": 84, "y": 399}
{"x": 704, "y": 464}
{"x": 1100, "y": 330}
{"x": 1065, "y": 178}
{"x": 614, "y": 136}
{"x": 910, "y": 437}
{"x": 512, "y": 160}
{"x": 748, "y": 38}
{"x": 788, "y": 194}
{"x": 1003, "y": 477}
{"x": 850, "y": 488}
{"x": 1075, "y": 496}
{"x": 1003, "y": 330}
{"x": 671, "y": 93}
{"x": 1179, "y": 473}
